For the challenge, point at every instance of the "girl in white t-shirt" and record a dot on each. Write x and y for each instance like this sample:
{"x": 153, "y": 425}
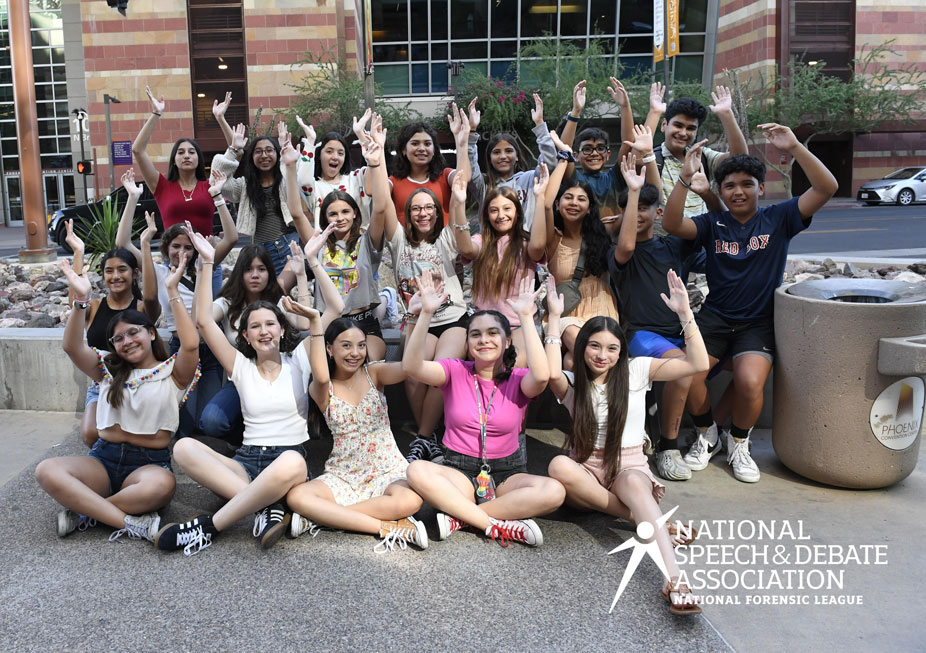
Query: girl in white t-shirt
{"x": 270, "y": 369}
{"x": 606, "y": 469}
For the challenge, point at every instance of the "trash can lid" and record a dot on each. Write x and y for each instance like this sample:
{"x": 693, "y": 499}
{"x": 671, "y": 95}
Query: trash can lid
{"x": 860, "y": 291}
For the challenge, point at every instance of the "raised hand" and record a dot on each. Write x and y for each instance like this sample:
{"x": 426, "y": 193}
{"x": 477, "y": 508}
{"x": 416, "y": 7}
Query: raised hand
{"x": 579, "y": 94}
{"x": 157, "y": 105}
{"x": 219, "y": 108}
{"x": 723, "y": 101}
{"x": 642, "y": 140}
{"x": 475, "y": 116}
{"x": 288, "y": 154}
{"x": 526, "y": 302}
{"x": 216, "y": 181}
{"x": 459, "y": 126}
{"x": 239, "y": 137}
{"x": 359, "y": 125}
{"x": 657, "y": 91}
{"x": 692, "y": 160}
{"x": 431, "y": 298}
{"x": 633, "y": 178}
{"x": 79, "y": 283}
{"x": 296, "y": 308}
{"x": 372, "y": 152}
{"x": 556, "y": 304}
{"x": 308, "y": 130}
{"x": 458, "y": 188}
{"x": 283, "y": 133}
{"x": 537, "y": 111}
{"x": 780, "y": 136}
{"x": 558, "y": 142}
{"x": 699, "y": 182}
{"x": 541, "y": 179}
{"x": 173, "y": 280}
{"x": 317, "y": 241}
{"x": 618, "y": 93}
{"x": 377, "y": 133}
{"x": 150, "y": 229}
{"x": 128, "y": 182}
{"x": 296, "y": 259}
{"x": 73, "y": 240}
{"x": 677, "y": 301}
{"x": 200, "y": 244}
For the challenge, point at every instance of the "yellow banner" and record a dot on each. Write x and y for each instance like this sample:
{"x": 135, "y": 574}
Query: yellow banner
{"x": 673, "y": 27}
{"x": 659, "y": 31}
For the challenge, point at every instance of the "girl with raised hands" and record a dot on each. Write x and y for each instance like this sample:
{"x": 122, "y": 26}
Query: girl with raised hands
{"x": 120, "y": 271}
{"x": 577, "y": 247}
{"x": 270, "y": 370}
{"x": 126, "y": 478}
{"x": 325, "y": 167}
{"x": 253, "y": 280}
{"x": 505, "y": 161}
{"x": 606, "y": 469}
{"x": 261, "y": 193}
{"x": 425, "y": 246}
{"x": 350, "y": 256}
{"x": 363, "y": 488}
{"x": 485, "y": 399}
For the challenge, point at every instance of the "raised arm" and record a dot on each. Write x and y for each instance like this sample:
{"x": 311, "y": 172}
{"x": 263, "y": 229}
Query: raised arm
{"x": 202, "y": 304}
{"x": 139, "y": 147}
{"x": 553, "y": 343}
{"x": 296, "y": 264}
{"x": 535, "y": 381}
{"x": 229, "y": 230}
{"x": 289, "y": 157}
{"x": 579, "y": 93}
{"x": 218, "y": 110}
{"x": 537, "y": 245}
{"x": 334, "y": 302}
{"x": 305, "y": 313}
{"x": 823, "y": 184}
{"x": 701, "y": 187}
{"x": 77, "y": 246}
{"x": 127, "y": 221}
{"x": 674, "y": 220}
{"x": 627, "y": 238}
{"x": 318, "y": 359}
{"x": 75, "y": 345}
{"x": 188, "y": 354}
{"x": 464, "y": 239}
{"x": 413, "y": 362}
{"x": 619, "y": 96}
{"x": 657, "y": 106}
{"x": 149, "y": 276}
{"x": 642, "y": 147}
{"x": 383, "y": 208}
{"x": 695, "y": 359}
{"x": 723, "y": 109}
{"x": 460, "y": 127}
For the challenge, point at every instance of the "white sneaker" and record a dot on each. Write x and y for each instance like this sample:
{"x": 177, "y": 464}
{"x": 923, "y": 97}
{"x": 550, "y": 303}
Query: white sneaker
{"x": 525, "y": 531}
{"x": 701, "y": 452}
{"x": 671, "y": 467}
{"x": 744, "y": 467}
{"x": 299, "y": 525}
{"x": 139, "y": 527}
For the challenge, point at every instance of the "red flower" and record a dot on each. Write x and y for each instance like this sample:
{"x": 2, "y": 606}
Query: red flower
{"x": 501, "y": 98}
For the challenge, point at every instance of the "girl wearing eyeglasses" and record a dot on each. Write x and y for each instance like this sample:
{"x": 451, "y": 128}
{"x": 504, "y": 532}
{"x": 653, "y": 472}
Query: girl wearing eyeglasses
{"x": 126, "y": 478}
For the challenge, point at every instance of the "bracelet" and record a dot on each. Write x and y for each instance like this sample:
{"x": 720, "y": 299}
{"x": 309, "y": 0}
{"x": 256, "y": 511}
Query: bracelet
{"x": 317, "y": 335}
{"x": 550, "y": 340}
{"x": 685, "y": 324}
{"x": 648, "y": 159}
{"x": 219, "y": 194}
{"x": 571, "y": 118}
{"x": 376, "y": 166}
{"x": 236, "y": 150}
{"x": 82, "y": 304}
{"x": 566, "y": 155}
{"x": 155, "y": 113}
{"x": 220, "y": 203}
{"x": 690, "y": 336}
{"x": 205, "y": 263}
{"x": 178, "y": 298}
{"x": 683, "y": 182}
{"x": 461, "y": 227}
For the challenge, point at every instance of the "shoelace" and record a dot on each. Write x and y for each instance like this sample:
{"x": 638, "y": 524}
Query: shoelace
{"x": 418, "y": 451}
{"x": 434, "y": 449}
{"x": 699, "y": 447}
{"x": 455, "y": 524}
{"x": 134, "y": 531}
{"x": 508, "y": 531}
{"x": 306, "y": 526}
{"x": 390, "y": 541}
{"x": 194, "y": 539}
{"x": 740, "y": 456}
{"x": 260, "y": 522}
{"x": 84, "y": 522}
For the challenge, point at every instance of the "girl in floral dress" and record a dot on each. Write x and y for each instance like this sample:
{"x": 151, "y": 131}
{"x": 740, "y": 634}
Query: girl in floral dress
{"x": 363, "y": 488}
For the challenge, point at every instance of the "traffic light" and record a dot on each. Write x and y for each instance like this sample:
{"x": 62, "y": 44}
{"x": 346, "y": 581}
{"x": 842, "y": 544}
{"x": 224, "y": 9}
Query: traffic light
{"x": 84, "y": 167}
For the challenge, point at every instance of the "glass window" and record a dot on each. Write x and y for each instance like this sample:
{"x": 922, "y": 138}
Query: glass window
{"x": 42, "y": 74}
{"x": 639, "y": 20}
{"x": 573, "y": 17}
{"x": 438, "y": 51}
{"x": 504, "y": 18}
{"x": 468, "y": 50}
{"x": 44, "y": 92}
{"x": 47, "y": 128}
{"x": 205, "y": 68}
{"x": 690, "y": 43}
{"x": 439, "y": 19}
{"x": 41, "y": 56}
{"x": 7, "y": 129}
{"x": 10, "y": 164}
{"x": 420, "y": 52}
{"x": 439, "y": 75}
{"x": 390, "y": 53}
{"x": 688, "y": 68}
{"x": 603, "y": 18}
{"x": 633, "y": 65}
{"x": 605, "y": 45}
{"x": 57, "y": 55}
{"x": 390, "y": 21}
{"x": 504, "y": 49}
{"x": 692, "y": 15}
{"x": 393, "y": 79}
{"x": 58, "y": 74}
{"x": 420, "y": 79}
{"x": 469, "y": 19}
{"x": 538, "y": 17}
{"x": 639, "y": 45}
{"x": 419, "y": 9}
{"x": 506, "y": 70}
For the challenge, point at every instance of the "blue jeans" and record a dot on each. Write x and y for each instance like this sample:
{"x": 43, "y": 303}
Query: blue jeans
{"x": 210, "y": 382}
{"x": 121, "y": 459}
{"x": 279, "y": 249}
{"x": 221, "y": 418}
{"x": 216, "y": 280}
{"x": 255, "y": 459}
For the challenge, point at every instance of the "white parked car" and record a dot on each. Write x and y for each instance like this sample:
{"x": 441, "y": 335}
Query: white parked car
{"x": 904, "y": 187}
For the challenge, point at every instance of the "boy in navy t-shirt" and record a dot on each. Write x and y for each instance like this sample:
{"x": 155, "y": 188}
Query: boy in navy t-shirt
{"x": 746, "y": 250}
{"x": 639, "y": 264}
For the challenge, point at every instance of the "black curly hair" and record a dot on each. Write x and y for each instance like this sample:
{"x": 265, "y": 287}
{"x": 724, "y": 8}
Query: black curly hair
{"x": 511, "y": 353}
{"x": 402, "y": 166}
{"x": 747, "y": 163}
{"x": 649, "y": 196}
{"x": 687, "y": 107}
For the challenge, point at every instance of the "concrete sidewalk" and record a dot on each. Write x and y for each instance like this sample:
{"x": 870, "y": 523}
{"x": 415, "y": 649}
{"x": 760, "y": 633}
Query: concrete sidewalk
{"x": 333, "y": 592}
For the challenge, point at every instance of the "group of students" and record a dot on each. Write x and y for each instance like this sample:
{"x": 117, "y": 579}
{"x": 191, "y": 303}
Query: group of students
{"x": 289, "y": 360}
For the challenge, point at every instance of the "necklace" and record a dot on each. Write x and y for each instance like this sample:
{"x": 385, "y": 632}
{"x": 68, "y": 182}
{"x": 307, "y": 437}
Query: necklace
{"x": 188, "y": 198}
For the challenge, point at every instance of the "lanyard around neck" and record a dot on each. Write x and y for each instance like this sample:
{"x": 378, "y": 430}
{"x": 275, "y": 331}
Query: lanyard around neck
{"x": 483, "y": 416}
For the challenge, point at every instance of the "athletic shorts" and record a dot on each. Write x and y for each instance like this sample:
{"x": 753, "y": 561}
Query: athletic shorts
{"x": 647, "y": 343}
{"x": 367, "y": 322}
{"x": 730, "y": 338}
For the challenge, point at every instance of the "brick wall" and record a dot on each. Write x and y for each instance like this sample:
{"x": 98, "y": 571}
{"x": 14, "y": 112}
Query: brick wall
{"x": 747, "y": 33}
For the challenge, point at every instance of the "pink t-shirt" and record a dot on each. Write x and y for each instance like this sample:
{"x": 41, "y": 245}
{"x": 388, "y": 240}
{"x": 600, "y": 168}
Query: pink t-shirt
{"x": 500, "y": 304}
{"x": 461, "y": 415}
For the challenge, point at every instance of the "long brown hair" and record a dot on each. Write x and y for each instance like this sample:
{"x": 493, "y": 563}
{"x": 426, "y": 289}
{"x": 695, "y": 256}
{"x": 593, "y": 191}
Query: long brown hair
{"x": 118, "y": 367}
{"x": 494, "y": 276}
{"x": 581, "y": 440}
{"x": 412, "y": 237}
{"x": 354, "y": 234}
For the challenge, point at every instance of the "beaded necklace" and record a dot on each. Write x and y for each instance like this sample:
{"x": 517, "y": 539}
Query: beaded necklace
{"x": 152, "y": 373}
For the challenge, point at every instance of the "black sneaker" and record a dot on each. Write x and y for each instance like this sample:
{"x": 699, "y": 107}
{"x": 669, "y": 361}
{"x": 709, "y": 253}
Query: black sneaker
{"x": 270, "y": 524}
{"x": 420, "y": 450}
{"x": 192, "y": 536}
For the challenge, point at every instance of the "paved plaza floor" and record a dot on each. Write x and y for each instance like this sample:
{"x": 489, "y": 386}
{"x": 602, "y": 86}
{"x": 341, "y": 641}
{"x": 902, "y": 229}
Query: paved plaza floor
{"x": 332, "y": 592}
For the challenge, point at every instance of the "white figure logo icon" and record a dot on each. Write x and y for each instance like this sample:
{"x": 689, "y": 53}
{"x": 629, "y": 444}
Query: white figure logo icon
{"x": 641, "y": 548}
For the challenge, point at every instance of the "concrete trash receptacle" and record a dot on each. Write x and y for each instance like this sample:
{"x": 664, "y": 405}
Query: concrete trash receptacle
{"x": 849, "y": 380}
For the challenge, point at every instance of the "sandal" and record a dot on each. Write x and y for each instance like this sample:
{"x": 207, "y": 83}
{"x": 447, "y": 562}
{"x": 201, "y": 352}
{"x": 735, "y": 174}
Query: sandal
{"x": 686, "y": 603}
{"x": 683, "y": 537}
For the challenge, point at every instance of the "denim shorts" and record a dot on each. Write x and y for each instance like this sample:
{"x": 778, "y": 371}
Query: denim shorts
{"x": 93, "y": 393}
{"x": 121, "y": 459}
{"x": 502, "y": 468}
{"x": 255, "y": 459}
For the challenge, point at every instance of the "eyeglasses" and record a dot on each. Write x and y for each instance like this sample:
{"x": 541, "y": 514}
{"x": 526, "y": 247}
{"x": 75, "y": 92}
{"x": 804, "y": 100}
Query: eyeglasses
{"x": 131, "y": 332}
{"x": 426, "y": 208}
{"x": 591, "y": 149}
{"x": 268, "y": 151}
